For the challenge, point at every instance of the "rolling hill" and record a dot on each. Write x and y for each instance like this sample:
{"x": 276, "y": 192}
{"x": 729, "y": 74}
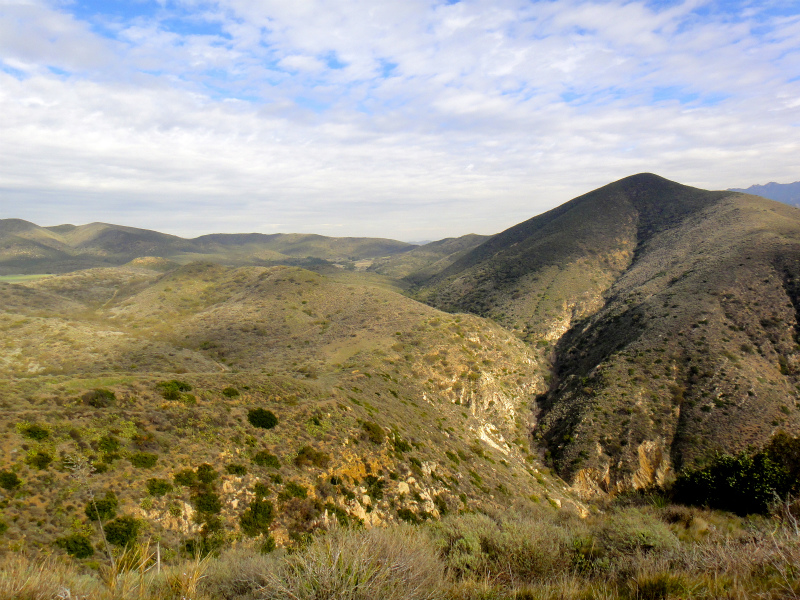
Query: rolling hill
{"x": 28, "y": 248}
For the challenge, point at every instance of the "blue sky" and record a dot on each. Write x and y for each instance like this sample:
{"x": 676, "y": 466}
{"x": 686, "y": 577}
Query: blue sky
{"x": 412, "y": 120}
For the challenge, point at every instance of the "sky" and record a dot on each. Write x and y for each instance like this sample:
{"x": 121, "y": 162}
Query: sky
{"x": 407, "y": 119}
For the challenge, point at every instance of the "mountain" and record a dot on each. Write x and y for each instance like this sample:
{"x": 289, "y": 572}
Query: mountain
{"x": 669, "y": 314}
{"x": 788, "y": 193}
{"x": 28, "y": 248}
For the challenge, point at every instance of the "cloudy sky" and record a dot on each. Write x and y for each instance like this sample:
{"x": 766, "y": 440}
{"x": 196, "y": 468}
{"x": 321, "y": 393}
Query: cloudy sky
{"x": 410, "y": 119}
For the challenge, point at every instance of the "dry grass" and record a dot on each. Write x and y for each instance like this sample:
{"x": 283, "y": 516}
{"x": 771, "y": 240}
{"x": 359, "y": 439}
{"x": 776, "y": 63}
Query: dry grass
{"x": 749, "y": 559}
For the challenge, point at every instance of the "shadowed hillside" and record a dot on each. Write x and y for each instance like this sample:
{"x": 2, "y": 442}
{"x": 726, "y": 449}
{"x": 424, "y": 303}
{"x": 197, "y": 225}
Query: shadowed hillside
{"x": 670, "y": 315}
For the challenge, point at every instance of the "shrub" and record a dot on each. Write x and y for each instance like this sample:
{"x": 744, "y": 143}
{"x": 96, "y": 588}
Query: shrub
{"x": 108, "y": 443}
{"x": 262, "y": 418}
{"x": 307, "y": 455}
{"x": 9, "y": 480}
{"x": 408, "y": 515}
{"x": 230, "y": 392}
{"x": 171, "y": 390}
{"x": 143, "y": 460}
{"x": 373, "y": 432}
{"x": 76, "y": 545}
{"x": 207, "y": 501}
{"x": 103, "y": 508}
{"x": 122, "y": 531}
{"x": 395, "y": 564}
{"x": 39, "y": 460}
{"x": 293, "y": 490}
{"x": 266, "y": 459}
{"x": 186, "y": 478}
{"x": 631, "y": 530}
{"x": 206, "y": 473}
{"x": 34, "y": 432}
{"x": 158, "y": 487}
{"x": 3, "y": 527}
{"x": 257, "y": 518}
{"x": 99, "y": 398}
{"x": 742, "y": 484}
{"x": 235, "y": 469}
{"x": 374, "y": 487}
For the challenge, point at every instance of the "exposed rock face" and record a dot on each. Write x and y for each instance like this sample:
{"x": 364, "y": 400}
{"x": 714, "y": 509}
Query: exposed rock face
{"x": 654, "y": 468}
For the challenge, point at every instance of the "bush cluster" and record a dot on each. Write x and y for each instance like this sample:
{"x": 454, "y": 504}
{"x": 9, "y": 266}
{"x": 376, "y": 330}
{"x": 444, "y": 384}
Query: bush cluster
{"x": 262, "y": 418}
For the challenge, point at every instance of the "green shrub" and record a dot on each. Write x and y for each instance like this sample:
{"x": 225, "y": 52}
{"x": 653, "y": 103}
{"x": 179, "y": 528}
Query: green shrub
{"x": 235, "y": 469}
{"x": 742, "y": 484}
{"x": 39, "y": 460}
{"x": 143, "y": 460}
{"x": 230, "y": 392}
{"x": 9, "y": 480}
{"x": 293, "y": 490}
{"x": 408, "y": 515}
{"x": 185, "y": 478}
{"x": 99, "y": 398}
{"x": 3, "y": 527}
{"x": 122, "y": 531}
{"x": 257, "y": 518}
{"x": 172, "y": 389}
{"x": 373, "y": 432}
{"x": 103, "y": 508}
{"x": 34, "y": 432}
{"x": 375, "y": 487}
{"x": 207, "y": 501}
{"x": 266, "y": 459}
{"x": 108, "y": 443}
{"x": 632, "y": 530}
{"x": 206, "y": 473}
{"x": 76, "y": 545}
{"x": 307, "y": 455}
{"x": 262, "y": 418}
{"x": 158, "y": 487}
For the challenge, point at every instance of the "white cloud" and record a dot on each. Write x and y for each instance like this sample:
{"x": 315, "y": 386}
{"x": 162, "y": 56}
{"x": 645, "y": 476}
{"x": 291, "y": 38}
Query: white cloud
{"x": 407, "y": 119}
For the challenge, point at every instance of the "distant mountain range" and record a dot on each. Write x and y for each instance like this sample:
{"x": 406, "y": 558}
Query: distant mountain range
{"x": 782, "y": 192}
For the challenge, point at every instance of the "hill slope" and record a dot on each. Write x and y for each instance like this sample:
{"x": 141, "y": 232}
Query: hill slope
{"x": 669, "y": 313}
{"x": 386, "y": 409}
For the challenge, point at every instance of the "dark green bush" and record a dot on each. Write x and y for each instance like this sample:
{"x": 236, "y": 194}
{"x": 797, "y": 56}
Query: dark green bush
{"x": 76, "y": 545}
{"x": 235, "y": 469}
{"x": 206, "y": 473}
{"x": 103, "y": 508}
{"x": 108, "y": 443}
{"x": 186, "y": 478}
{"x": 743, "y": 484}
{"x": 784, "y": 450}
{"x": 266, "y": 459}
{"x": 207, "y": 501}
{"x": 99, "y": 398}
{"x": 374, "y": 432}
{"x": 172, "y": 389}
{"x": 122, "y": 530}
{"x": 257, "y": 518}
{"x": 293, "y": 490}
{"x": 143, "y": 460}
{"x": 260, "y": 417}
{"x": 39, "y": 460}
{"x": 35, "y": 432}
{"x": 230, "y": 392}
{"x": 375, "y": 487}
{"x": 9, "y": 480}
{"x": 408, "y": 515}
{"x": 158, "y": 487}
{"x": 307, "y": 455}
{"x": 3, "y": 527}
